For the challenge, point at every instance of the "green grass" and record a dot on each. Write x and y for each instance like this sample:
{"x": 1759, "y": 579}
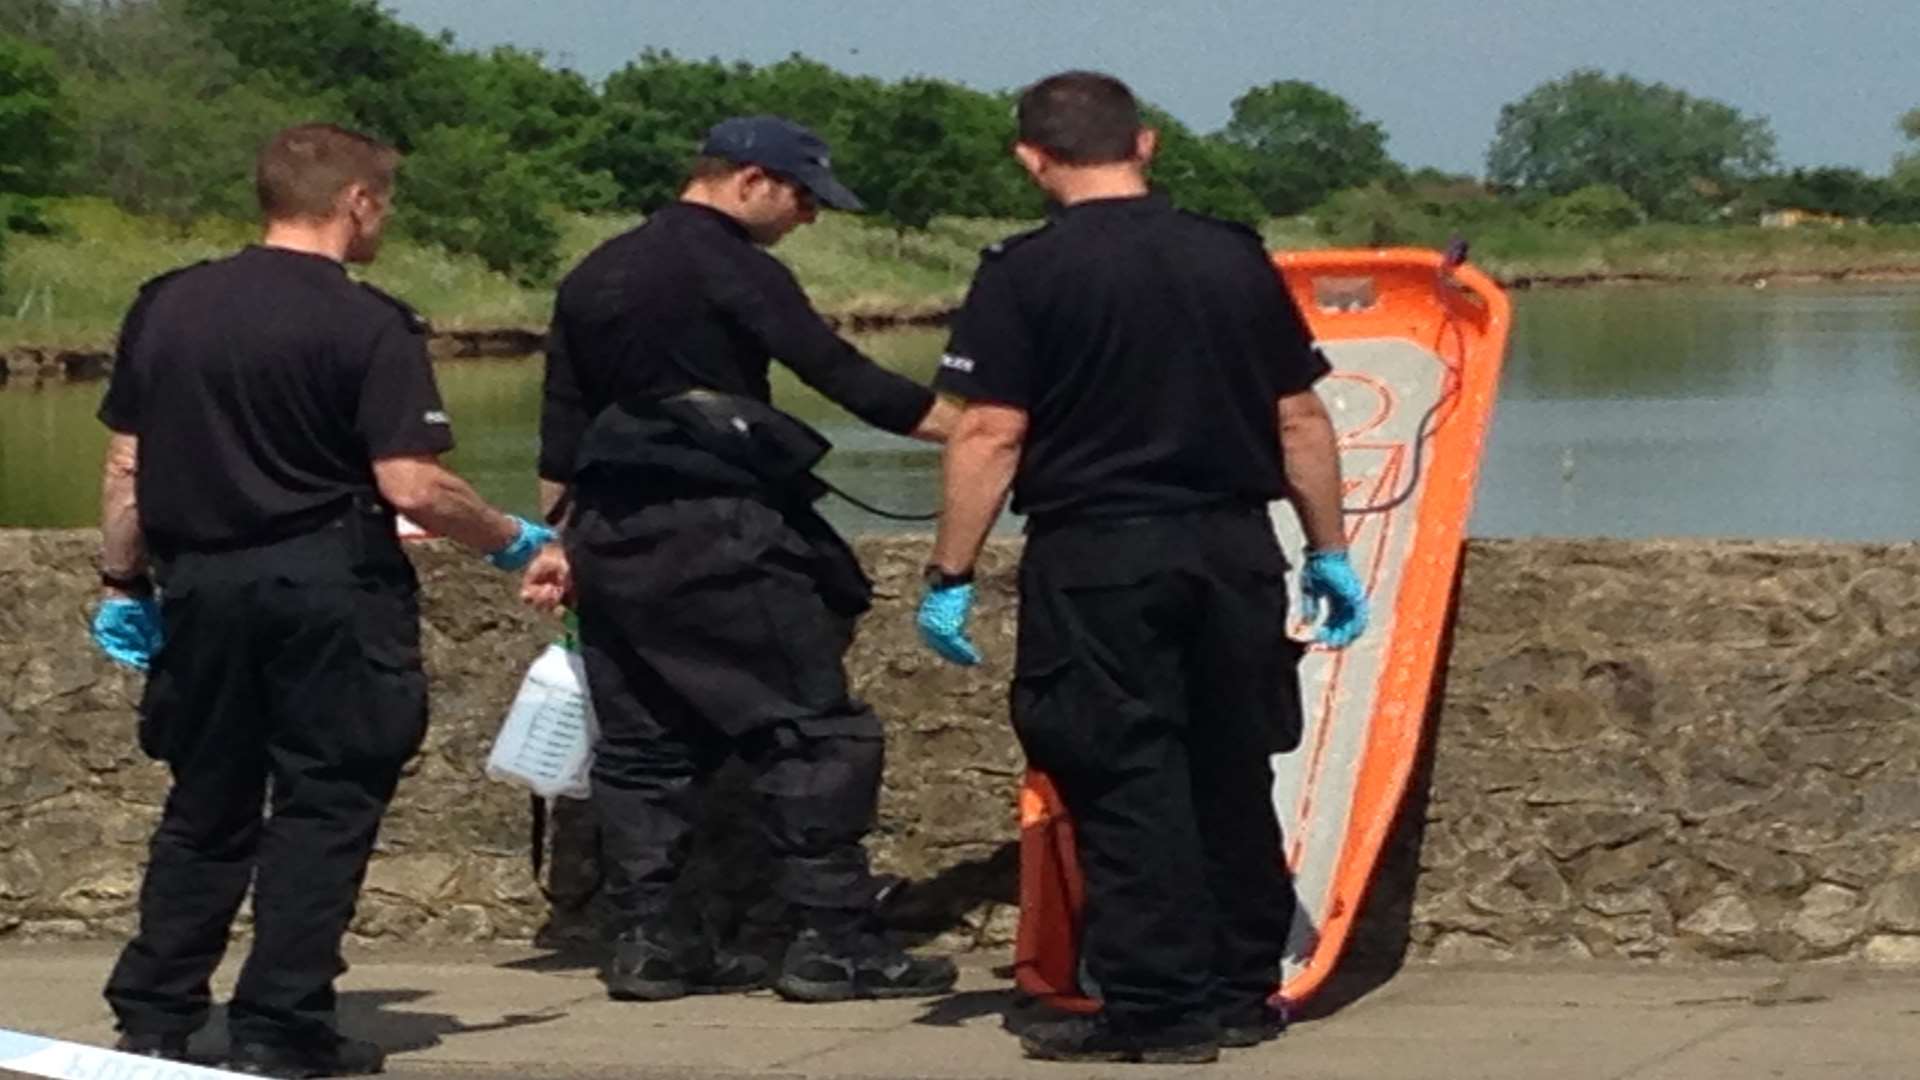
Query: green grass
{"x": 70, "y": 288}
{"x": 1520, "y": 248}
{"x": 1713, "y": 253}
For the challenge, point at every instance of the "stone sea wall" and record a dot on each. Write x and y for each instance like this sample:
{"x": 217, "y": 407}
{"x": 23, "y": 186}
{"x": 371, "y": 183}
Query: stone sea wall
{"x": 1660, "y": 751}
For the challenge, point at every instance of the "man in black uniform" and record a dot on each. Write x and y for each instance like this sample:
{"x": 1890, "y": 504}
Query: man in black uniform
{"x": 715, "y": 605}
{"x": 1142, "y": 380}
{"x": 269, "y": 416}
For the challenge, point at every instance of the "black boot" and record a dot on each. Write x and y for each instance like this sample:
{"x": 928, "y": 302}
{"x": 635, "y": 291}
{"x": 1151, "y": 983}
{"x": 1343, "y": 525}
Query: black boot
{"x": 1093, "y": 1038}
{"x": 168, "y": 1047}
{"x": 654, "y": 964}
{"x": 847, "y": 966}
{"x": 301, "y": 1061}
{"x": 1251, "y": 1024}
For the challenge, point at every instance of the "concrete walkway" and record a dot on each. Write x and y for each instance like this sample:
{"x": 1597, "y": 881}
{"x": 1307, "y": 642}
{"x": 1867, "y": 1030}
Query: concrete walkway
{"x": 466, "y": 1013}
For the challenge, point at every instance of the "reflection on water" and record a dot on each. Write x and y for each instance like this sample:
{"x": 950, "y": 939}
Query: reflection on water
{"x": 1726, "y": 411}
{"x": 1722, "y": 411}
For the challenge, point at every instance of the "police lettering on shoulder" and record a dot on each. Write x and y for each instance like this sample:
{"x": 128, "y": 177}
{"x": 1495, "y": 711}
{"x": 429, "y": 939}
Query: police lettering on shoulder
{"x": 1140, "y": 381}
{"x": 262, "y": 500}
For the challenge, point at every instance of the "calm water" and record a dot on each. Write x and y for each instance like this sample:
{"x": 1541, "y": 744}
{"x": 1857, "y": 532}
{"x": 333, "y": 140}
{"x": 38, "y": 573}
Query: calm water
{"x": 1712, "y": 411}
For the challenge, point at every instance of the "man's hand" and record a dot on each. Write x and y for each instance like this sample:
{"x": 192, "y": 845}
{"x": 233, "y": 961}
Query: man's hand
{"x": 548, "y": 584}
{"x": 1328, "y": 579}
{"x": 944, "y": 611}
{"x": 128, "y": 630}
{"x": 526, "y": 543}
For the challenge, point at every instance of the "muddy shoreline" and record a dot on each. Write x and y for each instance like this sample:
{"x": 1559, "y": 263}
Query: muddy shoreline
{"x": 1763, "y": 278}
{"x": 29, "y": 365}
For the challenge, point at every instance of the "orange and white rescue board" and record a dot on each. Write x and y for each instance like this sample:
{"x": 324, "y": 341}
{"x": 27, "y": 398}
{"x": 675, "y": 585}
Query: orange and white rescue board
{"x": 1416, "y": 346}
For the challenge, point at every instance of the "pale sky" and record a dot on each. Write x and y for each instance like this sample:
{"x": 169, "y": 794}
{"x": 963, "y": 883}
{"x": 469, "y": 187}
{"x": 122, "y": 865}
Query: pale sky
{"x": 1832, "y": 75}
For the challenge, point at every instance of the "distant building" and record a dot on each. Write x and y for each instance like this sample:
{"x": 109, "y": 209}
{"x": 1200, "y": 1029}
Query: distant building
{"x": 1794, "y": 218}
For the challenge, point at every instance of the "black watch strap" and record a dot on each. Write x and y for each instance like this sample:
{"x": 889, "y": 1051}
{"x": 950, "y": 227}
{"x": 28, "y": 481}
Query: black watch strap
{"x": 132, "y": 584}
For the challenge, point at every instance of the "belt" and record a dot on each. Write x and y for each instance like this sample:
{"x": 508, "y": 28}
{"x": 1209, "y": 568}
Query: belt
{"x": 362, "y": 537}
{"x": 1224, "y": 508}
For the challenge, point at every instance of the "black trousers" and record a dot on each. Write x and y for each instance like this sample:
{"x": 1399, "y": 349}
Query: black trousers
{"x": 290, "y": 682}
{"x": 1154, "y": 679}
{"x": 717, "y": 627}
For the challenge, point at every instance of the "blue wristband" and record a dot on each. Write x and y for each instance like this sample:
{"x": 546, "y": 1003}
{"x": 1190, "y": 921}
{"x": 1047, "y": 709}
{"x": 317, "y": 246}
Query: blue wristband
{"x": 526, "y": 544}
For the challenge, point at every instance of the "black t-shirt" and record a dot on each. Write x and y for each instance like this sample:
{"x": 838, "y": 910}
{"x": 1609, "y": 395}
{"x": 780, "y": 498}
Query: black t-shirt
{"x": 262, "y": 387}
{"x": 1148, "y": 347}
{"x": 684, "y": 301}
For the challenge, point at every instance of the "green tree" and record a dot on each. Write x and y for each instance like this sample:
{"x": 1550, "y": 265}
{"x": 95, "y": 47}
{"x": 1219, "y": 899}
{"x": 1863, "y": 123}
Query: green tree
{"x": 169, "y": 120}
{"x": 832, "y": 103}
{"x": 391, "y": 78}
{"x": 1844, "y": 192}
{"x": 643, "y": 151}
{"x": 1903, "y": 203}
{"x": 1204, "y": 174}
{"x": 905, "y": 166}
{"x": 34, "y": 136}
{"x": 165, "y": 121}
{"x": 1594, "y": 208}
{"x": 928, "y": 148}
{"x": 1906, "y": 167}
{"x": 32, "y": 20}
{"x": 912, "y": 150}
{"x": 465, "y": 189}
{"x": 1304, "y": 143}
{"x": 1376, "y": 216}
{"x": 1671, "y": 152}
{"x": 657, "y": 109}
{"x": 399, "y": 82}
{"x": 551, "y": 116}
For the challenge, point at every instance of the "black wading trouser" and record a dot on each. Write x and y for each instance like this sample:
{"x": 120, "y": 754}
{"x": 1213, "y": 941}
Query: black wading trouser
{"x": 1153, "y": 682}
{"x": 713, "y": 627}
{"x": 291, "y": 681}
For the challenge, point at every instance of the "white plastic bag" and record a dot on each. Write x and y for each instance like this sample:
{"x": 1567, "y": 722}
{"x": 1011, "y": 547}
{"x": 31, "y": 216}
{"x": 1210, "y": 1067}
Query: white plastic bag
{"x": 546, "y": 743}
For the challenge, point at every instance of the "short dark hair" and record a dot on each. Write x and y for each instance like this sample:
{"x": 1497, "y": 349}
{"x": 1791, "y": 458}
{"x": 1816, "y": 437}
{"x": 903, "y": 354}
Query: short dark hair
{"x": 1080, "y": 118}
{"x": 712, "y": 167}
{"x": 302, "y": 170}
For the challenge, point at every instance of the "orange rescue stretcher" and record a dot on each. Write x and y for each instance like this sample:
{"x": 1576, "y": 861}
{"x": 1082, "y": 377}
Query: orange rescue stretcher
{"x": 1416, "y": 339}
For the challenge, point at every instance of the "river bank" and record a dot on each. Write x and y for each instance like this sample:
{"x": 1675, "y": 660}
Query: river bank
{"x": 66, "y": 291}
{"x": 33, "y": 364}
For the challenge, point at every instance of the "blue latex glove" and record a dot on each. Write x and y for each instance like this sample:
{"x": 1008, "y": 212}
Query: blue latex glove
{"x": 128, "y": 631}
{"x": 1328, "y": 579}
{"x": 943, "y": 623}
{"x": 526, "y": 544}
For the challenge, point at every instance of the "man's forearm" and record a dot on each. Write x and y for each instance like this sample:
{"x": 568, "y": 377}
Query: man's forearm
{"x": 457, "y": 511}
{"x": 123, "y": 546}
{"x": 449, "y": 506}
{"x": 976, "y": 475}
{"x": 1312, "y": 457}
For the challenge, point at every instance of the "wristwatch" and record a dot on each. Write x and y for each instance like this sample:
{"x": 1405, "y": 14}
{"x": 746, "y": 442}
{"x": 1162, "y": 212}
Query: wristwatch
{"x": 935, "y": 578}
{"x": 137, "y": 585}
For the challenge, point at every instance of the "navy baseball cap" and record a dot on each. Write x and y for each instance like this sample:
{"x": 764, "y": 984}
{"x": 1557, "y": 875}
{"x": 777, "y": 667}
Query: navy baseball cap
{"x": 781, "y": 146}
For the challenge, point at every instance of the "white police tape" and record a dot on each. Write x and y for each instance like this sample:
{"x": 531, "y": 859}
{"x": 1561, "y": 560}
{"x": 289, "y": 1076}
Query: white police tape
{"x": 62, "y": 1060}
